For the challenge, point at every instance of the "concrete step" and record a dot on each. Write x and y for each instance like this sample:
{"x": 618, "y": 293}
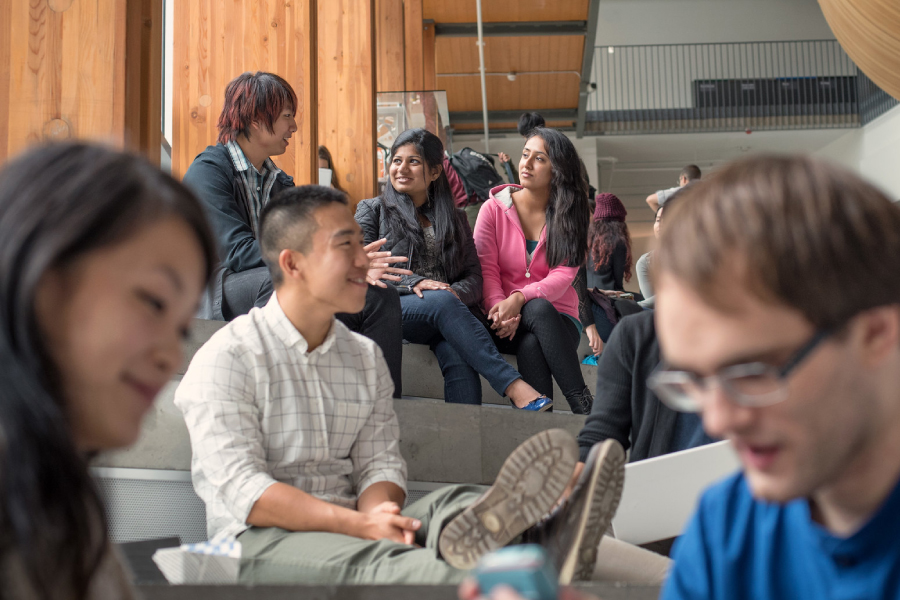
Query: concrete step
{"x": 442, "y": 443}
{"x": 607, "y": 591}
{"x": 421, "y": 374}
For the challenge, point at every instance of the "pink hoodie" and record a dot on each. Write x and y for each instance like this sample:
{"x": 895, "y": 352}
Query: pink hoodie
{"x": 500, "y": 242}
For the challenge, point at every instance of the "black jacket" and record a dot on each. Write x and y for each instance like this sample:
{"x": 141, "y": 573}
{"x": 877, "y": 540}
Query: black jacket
{"x": 213, "y": 178}
{"x": 624, "y": 407}
{"x": 467, "y": 283}
{"x": 611, "y": 275}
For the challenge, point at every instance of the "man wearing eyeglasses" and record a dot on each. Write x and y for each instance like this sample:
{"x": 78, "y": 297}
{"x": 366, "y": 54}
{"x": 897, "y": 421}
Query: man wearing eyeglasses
{"x": 778, "y": 316}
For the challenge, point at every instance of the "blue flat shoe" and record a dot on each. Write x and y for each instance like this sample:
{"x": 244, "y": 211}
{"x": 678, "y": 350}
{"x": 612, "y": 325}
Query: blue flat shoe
{"x": 539, "y": 404}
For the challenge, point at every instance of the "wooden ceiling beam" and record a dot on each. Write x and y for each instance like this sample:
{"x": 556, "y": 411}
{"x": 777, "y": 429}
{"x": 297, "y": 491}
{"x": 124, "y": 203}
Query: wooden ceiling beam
{"x": 512, "y": 29}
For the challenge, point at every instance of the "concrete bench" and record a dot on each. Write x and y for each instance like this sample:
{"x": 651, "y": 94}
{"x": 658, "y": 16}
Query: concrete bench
{"x": 147, "y": 486}
{"x": 421, "y": 374}
{"x": 444, "y": 443}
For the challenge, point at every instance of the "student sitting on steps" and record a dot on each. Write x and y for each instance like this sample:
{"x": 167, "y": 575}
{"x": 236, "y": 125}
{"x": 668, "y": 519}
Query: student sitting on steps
{"x": 417, "y": 216}
{"x": 296, "y": 444}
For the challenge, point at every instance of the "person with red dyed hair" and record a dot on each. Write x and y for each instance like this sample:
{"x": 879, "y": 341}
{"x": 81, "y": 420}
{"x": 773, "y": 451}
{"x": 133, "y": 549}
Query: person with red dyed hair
{"x": 236, "y": 178}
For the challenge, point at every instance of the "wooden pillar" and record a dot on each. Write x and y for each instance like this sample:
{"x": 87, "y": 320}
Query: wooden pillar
{"x": 80, "y": 69}
{"x": 143, "y": 77}
{"x": 390, "y": 38}
{"x": 347, "y": 92}
{"x": 412, "y": 24}
{"x": 217, "y": 40}
{"x": 428, "y": 56}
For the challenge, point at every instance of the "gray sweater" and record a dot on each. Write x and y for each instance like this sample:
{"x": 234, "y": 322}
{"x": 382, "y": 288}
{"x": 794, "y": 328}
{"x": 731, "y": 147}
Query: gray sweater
{"x": 643, "y": 274}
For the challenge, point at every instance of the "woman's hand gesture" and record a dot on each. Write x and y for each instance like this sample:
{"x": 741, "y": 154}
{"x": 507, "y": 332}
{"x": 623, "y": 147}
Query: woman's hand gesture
{"x": 430, "y": 284}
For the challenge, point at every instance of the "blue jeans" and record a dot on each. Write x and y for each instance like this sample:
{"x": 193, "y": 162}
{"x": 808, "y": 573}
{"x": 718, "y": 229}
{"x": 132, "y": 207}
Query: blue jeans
{"x": 604, "y": 325}
{"x": 460, "y": 342}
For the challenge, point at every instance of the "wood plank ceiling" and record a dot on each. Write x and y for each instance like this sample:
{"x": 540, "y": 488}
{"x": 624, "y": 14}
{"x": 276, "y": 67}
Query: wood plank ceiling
{"x": 546, "y": 68}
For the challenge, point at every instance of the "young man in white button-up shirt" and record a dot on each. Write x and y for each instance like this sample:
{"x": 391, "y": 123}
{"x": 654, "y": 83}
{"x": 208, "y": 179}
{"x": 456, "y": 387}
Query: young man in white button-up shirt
{"x": 296, "y": 444}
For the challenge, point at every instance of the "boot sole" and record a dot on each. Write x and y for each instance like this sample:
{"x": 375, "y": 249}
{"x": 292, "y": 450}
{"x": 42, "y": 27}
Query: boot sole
{"x": 528, "y": 485}
{"x": 606, "y": 480}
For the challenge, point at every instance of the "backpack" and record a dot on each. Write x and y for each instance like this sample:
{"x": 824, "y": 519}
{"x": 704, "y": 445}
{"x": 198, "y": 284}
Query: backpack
{"x": 477, "y": 173}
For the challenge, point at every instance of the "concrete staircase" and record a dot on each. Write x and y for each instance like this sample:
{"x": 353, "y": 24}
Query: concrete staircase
{"x": 442, "y": 443}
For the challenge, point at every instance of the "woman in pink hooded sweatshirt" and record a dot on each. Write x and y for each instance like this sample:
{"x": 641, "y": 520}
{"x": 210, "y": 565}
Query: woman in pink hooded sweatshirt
{"x": 531, "y": 240}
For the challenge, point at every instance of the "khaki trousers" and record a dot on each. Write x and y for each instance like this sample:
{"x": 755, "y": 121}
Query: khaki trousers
{"x": 277, "y": 556}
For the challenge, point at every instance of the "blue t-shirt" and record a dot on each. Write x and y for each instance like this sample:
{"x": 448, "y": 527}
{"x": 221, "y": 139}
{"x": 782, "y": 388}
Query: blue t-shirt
{"x": 736, "y": 547}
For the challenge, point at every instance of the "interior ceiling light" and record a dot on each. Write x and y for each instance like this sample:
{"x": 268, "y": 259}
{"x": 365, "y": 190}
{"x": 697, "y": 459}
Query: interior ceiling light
{"x": 511, "y": 76}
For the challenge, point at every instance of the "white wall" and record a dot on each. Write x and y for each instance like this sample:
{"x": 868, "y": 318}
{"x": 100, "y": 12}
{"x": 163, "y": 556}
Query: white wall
{"x": 633, "y": 22}
{"x": 873, "y": 151}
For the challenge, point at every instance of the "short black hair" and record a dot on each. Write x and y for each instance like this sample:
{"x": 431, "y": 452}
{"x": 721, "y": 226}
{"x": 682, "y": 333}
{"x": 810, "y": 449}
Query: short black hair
{"x": 690, "y": 172}
{"x": 528, "y": 122}
{"x": 288, "y": 221}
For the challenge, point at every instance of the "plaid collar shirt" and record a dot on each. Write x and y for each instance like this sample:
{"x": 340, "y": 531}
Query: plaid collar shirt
{"x": 257, "y": 184}
{"x": 261, "y": 409}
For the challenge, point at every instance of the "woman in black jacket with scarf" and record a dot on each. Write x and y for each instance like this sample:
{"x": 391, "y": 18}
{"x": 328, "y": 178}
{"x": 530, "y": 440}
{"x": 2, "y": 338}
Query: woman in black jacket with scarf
{"x": 417, "y": 216}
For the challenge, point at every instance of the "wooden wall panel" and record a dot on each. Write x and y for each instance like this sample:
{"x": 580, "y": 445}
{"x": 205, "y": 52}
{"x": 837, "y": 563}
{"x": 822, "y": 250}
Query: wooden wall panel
{"x": 412, "y": 24}
{"x": 5, "y": 37}
{"x": 527, "y": 92}
{"x": 143, "y": 77}
{"x": 428, "y": 55}
{"x": 464, "y": 11}
{"x": 66, "y": 72}
{"x": 217, "y": 40}
{"x": 346, "y": 71}
{"x": 505, "y": 54}
{"x": 390, "y": 37}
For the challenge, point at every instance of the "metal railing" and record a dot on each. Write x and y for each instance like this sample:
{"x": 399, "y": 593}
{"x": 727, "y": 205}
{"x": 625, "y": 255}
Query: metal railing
{"x": 873, "y": 101}
{"x": 724, "y": 87}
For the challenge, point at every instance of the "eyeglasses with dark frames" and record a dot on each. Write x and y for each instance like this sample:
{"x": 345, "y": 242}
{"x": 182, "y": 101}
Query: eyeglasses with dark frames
{"x": 753, "y": 384}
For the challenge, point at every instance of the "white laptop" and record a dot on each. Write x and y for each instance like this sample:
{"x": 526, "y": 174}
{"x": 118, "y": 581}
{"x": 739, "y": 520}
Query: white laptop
{"x": 661, "y": 493}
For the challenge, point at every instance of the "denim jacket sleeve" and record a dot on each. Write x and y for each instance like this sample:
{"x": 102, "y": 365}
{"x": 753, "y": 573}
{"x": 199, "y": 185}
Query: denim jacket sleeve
{"x": 215, "y": 187}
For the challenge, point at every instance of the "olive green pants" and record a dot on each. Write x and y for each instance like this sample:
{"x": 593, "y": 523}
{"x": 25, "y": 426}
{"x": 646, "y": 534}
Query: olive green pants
{"x": 273, "y": 555}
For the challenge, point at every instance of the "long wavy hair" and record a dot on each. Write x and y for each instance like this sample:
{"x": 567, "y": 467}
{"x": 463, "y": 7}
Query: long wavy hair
{"x": 603, "y": 237}
{"x": 568, "y": 211}
{"x": 56, "y": 204}
{"x": 449, "y": 229}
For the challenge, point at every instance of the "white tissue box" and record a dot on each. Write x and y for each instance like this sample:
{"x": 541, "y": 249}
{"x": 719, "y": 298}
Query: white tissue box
{"x": 215, "y": 561}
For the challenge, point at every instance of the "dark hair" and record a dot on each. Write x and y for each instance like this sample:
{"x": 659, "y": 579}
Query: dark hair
{"x": 568, "y": 213}
{"x": 325, "y": 155}
{"x": 253, "y": 97}
{"x": 58, "y": 203}
{"x": 288, "y": 221}
{"x": 400, "y": 213}
{"x": 528, "y": 122}
{"x": 690, "y": 172}
{"x": 603, "y": 238}
{"x": 801, "y": 232}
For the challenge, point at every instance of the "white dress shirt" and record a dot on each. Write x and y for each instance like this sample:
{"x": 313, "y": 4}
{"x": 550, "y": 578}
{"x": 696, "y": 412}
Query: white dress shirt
{"x": 261, "y": 409}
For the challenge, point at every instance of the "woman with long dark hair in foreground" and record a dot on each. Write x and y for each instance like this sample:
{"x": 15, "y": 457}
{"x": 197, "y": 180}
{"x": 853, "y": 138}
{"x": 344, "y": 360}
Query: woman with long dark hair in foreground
{"x": 418, "y": 217}
{"x": 531, "y": 240}
{"x": 102, "y": 262}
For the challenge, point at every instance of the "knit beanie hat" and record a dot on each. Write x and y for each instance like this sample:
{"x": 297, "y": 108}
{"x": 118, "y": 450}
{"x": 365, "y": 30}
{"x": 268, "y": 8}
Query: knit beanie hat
{"x": 609, "y": 208}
